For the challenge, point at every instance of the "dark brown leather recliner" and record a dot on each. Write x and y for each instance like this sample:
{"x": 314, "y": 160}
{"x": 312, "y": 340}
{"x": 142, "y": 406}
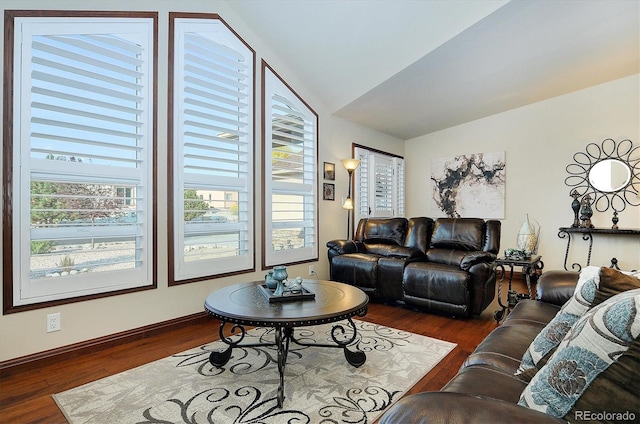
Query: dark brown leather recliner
{"x": 445, "y": 265}
{"x": 458, "y": 276}
{"x": 375, "y": 259}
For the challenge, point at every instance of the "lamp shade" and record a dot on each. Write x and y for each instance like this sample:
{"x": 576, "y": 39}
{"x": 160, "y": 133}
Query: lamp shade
{"x": 348, "y": 203}
{"x": 350, "y": 164}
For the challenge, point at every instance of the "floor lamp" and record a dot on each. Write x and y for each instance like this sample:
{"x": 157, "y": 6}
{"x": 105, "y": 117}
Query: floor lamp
{"x": 350, "y": 165}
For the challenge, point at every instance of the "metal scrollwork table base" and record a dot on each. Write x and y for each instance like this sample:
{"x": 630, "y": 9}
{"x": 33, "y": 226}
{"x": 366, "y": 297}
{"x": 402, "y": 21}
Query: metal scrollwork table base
{"x": 243, "y": 304}
{"x": 529, "y": 268}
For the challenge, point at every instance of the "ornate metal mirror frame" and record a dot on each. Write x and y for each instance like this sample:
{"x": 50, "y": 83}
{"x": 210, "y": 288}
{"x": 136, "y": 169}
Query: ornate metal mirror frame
{"x": 609, "y": 173}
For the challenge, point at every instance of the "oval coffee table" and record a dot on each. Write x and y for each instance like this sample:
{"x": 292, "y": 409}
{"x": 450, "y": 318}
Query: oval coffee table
{"x": 245, "y": 304}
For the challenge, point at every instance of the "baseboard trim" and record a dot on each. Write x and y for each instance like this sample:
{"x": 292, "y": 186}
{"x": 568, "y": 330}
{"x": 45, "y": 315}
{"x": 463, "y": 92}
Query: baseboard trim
{"x": 47, "y": 357}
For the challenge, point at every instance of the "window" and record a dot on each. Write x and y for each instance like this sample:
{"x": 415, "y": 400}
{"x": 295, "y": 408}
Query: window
{"x": 379, "y": 184}
{"x": 290, "y": 174}
{"x": 210, "y": 186}
{"x": 79, "y": 185}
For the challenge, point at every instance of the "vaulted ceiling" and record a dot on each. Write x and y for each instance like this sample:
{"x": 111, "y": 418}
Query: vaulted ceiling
{"x": 412, "y": 67}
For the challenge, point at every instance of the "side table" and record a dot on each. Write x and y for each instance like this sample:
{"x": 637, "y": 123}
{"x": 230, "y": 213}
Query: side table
{"x": 529, "y": 267}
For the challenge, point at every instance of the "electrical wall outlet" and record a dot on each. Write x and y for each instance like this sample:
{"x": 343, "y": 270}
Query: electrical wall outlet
{"x": 311, "y": 270}
{"x": 53, "y": 322}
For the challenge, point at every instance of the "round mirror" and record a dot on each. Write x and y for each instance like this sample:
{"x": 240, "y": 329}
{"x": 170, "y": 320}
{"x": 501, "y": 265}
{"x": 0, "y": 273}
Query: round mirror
{"x": 609, "y": 175}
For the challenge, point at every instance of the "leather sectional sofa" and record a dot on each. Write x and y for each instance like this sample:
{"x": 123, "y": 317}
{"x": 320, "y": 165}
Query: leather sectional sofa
{"x": 444, "y": 265}
{"x": 486, "y": 389}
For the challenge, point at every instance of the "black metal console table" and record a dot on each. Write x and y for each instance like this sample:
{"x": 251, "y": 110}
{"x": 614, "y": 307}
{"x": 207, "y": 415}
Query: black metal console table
{"x": 587, "y": 235}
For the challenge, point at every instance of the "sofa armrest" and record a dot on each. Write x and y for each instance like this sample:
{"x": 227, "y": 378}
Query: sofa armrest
{"x": 342, "y": 247}
{"x": 454, "y": 408}
{"x": 472, "y": 258}
{"x": 556, "y": 287}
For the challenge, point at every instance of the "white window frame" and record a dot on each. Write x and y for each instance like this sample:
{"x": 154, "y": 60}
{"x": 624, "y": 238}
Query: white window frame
{"x": 273, "y": 85}
{"x": 212, "y": 27}
{"x": 27, "y": 292}
{"x": 366, "y": 178}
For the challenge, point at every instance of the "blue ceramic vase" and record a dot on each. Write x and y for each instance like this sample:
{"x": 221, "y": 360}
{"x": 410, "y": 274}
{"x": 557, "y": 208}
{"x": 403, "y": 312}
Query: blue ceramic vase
{"x": 279, "y": 274}
{"x": 269, "y": 281}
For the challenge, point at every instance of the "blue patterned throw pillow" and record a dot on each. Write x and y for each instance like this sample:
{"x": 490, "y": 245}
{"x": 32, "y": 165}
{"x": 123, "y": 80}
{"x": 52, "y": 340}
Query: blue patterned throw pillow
{"x": 550, "y": 337}
{"x": 595, "y": 342}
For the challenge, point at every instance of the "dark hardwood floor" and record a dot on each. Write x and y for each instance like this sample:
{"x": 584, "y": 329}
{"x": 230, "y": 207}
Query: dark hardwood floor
{"x": 25, "y": 396}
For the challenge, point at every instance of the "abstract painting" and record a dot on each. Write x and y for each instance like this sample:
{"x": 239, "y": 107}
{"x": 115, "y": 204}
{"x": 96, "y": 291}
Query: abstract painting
{"x": 470, "y": 186}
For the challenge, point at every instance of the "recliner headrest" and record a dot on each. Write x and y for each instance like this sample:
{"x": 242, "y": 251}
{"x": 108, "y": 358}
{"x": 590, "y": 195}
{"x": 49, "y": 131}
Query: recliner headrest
{"x": 458, "y": 233}
{"x": 384, "y": 230}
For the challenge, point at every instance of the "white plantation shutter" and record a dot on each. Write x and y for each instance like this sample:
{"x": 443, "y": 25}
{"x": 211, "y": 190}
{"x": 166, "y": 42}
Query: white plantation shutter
{"x": 399, "y": 187}
{"x": 290, "y": 175}
{"x": 382, "y": 187}
{"x": 83, "y": 114}
{"x": 379, "y": 185}
{"x": 361, "y": 189}
{"x": 213, "y": 150}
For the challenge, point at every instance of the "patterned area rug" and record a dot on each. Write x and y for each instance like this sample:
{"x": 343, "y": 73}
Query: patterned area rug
{"x": 320, "y": 386}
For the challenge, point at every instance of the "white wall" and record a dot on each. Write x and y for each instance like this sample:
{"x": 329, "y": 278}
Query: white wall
{"x": 540, "y": 141}
{"x": 24, "y": 333}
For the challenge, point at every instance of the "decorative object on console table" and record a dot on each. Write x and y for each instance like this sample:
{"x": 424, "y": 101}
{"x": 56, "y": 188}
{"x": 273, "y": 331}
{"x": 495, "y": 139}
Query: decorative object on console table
{"x": 586, "y": 213}
{"x": 575, "y": 205}
{"x": 587, "y": 235}
{"x": 350, "y": 165}
{"x": 609, "y": 173}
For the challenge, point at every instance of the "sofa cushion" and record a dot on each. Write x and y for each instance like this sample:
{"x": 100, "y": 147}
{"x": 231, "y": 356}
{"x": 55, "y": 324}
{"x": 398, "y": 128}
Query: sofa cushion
{"x": 461, "y": 234}
{"x": 531, "y": 311}
{"x": 392, "y": 250}
{"x": 484, "y": 381}
{"x": 601, "y": 346}
{"x": 419, "y": 232}
{"x": 548, "y": 339}
{"x": 387, "y": 230}
{"x": 613, "y": 282}
{"x": 503, "y": 347}
{"x": 621, "y": 381}
{"x": 360, "y": 269}
{"x": 437, "y": 282}
{"x": 494, "y": 352}
{"x": 443, "y": 407}
{"x": 522, "y": 325}
{"x": 595, "y": 285}
{"x": 449, "y": 257}
{"x": 556, "y": 286}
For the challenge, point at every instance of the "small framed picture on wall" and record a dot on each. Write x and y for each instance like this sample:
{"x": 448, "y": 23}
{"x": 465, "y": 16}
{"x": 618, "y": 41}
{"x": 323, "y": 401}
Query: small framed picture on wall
{"x": 328, "y": 191}
{"x": 329, "y": 171}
